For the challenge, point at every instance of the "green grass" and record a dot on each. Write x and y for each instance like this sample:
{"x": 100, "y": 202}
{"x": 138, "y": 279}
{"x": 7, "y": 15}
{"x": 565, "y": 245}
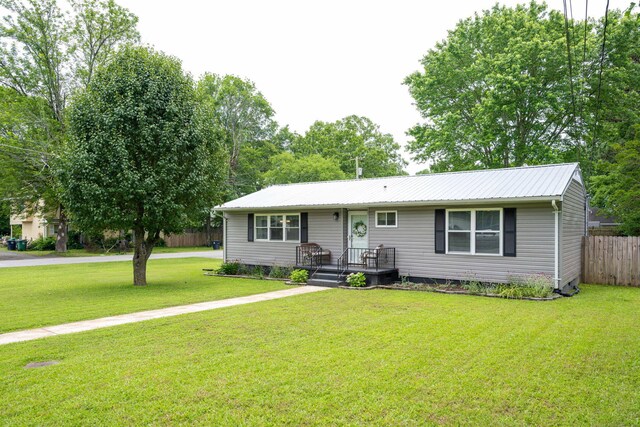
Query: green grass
{"x": 49, "y": 295}
{"x": 344, "y": 358}
{"x": 85, "y": 252}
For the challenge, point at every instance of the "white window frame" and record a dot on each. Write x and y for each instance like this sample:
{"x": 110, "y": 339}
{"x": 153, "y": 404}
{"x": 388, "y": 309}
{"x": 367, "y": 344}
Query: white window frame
{"x": 386, "y": 226}
{"x": 473, "y": 231}
{"x": 284, "y": 227}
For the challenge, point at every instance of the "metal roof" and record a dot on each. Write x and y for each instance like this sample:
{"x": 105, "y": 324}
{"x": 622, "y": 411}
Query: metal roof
{"x": 511, "y": 184}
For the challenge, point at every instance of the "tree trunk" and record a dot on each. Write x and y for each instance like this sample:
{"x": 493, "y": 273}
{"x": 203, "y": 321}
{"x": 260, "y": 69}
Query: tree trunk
{"x": 142, "y": 251}
{"x": 208, "y": 229}
{"x": 63, "y": 232}
{"x": 123, "y": 242}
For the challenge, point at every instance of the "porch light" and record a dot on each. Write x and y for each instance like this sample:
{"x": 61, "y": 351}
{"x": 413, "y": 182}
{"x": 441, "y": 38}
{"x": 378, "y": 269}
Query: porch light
{"x": 336, "y": 216}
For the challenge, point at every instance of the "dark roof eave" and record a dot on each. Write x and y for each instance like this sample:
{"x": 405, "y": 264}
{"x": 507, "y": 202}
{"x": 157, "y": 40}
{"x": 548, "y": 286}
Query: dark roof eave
{"x": 399, "y": 204}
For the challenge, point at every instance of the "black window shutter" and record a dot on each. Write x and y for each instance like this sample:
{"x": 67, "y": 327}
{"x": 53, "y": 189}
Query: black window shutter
{"x": 509, "y": 228}
{"x": 304, "y": 227}
{"x": 440, "y": 231}
{"x": 250, "y": 228}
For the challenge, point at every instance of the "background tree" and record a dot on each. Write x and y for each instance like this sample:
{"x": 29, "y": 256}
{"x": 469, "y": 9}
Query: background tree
{"x": 139, "y": 158}
{"x": 498, "y": 91}
{"x": 617, "y": 190}
{"x": 287, "y": 169}
{"x": 495, "y": 93}
{"x": 348, "y": 138}
{"x": 5, "y": 216}
{"x": 615, "y": 130}
{"x": 47, "y": 54}
{"x": 245, "y": 118}
{"x": 613, "y": 100}
{"x": 27, "y": 133}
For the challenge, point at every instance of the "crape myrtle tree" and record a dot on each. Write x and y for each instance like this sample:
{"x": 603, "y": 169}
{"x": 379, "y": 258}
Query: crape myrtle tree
{"x": 139, "y": 156}
{"x": 46, "y": 54}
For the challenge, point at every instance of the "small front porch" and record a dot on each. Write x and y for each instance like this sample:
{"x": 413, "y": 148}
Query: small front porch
{"x": 378, "y": 264}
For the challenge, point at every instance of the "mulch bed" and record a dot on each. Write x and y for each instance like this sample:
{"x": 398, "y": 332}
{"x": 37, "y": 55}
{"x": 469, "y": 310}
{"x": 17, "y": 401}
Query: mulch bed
{"x": 208, "y": 272}
{"x": 445, "y": 290}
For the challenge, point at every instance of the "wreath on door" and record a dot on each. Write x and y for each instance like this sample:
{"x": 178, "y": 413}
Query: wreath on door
{"x": 359, "y": 229}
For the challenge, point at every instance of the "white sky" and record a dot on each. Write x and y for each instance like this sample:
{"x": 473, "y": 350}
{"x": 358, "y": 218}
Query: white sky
{"x": 317, "y": 60}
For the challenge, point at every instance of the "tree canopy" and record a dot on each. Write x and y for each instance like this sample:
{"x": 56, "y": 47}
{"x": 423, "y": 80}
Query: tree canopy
{"x": 139, "y": 157}
{"x": 46, "y": 55}
{"x": 499, "y": 91}
{"x": 287, "y": 169}
{"x": 245, "y": 119}
{"x": 617, "y": 189}
{"x": 350, "y": 138}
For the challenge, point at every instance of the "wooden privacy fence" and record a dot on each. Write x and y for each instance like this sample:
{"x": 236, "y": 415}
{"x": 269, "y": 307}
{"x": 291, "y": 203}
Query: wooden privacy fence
{"x": 611, "y": 260}
{"x": 198, "y": 238}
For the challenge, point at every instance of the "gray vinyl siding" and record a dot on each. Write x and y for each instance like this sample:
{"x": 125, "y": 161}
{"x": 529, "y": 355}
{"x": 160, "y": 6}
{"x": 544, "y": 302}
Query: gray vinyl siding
{"x": 571, "y": 231}
{"x": 413, "y": 239}
{"x": 323, "y": 230}
{"x": 415, "y": 253}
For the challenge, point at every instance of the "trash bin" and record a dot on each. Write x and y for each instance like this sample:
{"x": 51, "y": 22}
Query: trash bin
{"x": 11, "y": 244}
{"x": 21, "y": 245}
{"x": 216, "y": 245}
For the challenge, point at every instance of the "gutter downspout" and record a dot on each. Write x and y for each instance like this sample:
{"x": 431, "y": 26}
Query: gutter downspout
{"x": 224, "y": 237}
{"x": 556, "y": 257}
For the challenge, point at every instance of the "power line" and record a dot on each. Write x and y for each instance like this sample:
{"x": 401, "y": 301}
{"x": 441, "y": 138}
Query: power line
{"x": 566, "y": 30}
{"x": 586, "y": 20}
{"x": 27, "y": 149}
{"x": 602, "y": 50}
{"x": 584, "y": 61}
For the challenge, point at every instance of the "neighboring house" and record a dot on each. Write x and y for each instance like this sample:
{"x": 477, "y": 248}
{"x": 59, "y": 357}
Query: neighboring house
{"x": 488, "y": 225}
{"x": 35, "y": 225}
{"x": 601, "y": 225}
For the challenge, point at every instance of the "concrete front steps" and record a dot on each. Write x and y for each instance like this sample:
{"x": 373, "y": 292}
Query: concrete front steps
{"x": 328, "y": 276}
{"x": 325, "y": 277}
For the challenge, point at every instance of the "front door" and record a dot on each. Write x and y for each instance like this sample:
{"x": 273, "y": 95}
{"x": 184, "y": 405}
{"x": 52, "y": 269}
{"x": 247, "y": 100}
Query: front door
{"x": 358, "y": 235}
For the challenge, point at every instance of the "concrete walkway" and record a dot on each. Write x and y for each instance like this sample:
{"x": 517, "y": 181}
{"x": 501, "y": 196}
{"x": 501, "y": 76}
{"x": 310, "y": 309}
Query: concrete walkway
{"x": 105, "y": 322}
{"x": 31, "y": 262}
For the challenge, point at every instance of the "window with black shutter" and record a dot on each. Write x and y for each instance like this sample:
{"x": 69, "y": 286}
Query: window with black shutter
{"x": 509, "y": 227}
{"x": 250, "y": 228}
{"x": 440, "y": 231}
{"x": 304, "y": 227}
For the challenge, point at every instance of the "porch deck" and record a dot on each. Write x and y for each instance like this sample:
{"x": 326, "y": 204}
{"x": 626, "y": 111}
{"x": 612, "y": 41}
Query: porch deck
{"x": 351, "y": 268}
{"x": 378, "y": 264}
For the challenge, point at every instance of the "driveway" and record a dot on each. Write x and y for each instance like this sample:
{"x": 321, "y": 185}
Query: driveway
{"x": 33, "y": 260}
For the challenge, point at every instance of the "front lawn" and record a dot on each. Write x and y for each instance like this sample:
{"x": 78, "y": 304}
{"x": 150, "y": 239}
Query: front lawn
{"x": 344, "y": 358}
{"x": 53, "y": 294}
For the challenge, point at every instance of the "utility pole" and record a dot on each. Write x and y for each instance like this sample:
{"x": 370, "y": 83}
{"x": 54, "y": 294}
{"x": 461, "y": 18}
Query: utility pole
{"x": 358, "y": 170}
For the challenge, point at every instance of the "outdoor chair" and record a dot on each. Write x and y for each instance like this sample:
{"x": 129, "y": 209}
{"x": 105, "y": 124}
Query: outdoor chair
{"x": 371, "y": 258}
{"x": 312, "y": 253}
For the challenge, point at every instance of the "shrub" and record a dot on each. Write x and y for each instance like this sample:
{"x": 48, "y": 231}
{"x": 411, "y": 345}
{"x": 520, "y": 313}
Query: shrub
{"x": 229, "y": 268}
{"x": 530, "y": 286}
{"x": 257, "y": 272}
{"x": 299, "y": 276}
{"x": 244, "y": 270}
{"x": 357, "y": 280}
{"x": 278, "y": 272}
{"x": 43, "y": 244}
{"x": 75, "y": 240}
